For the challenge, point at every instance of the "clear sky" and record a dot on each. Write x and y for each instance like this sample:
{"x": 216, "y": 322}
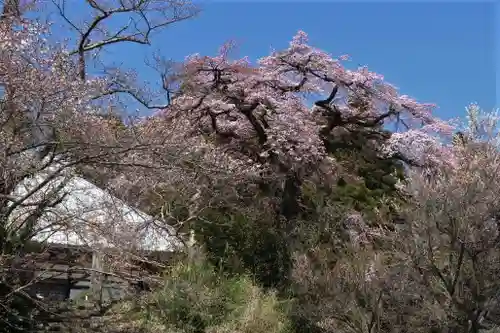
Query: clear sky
{"x": 443, "y": 53}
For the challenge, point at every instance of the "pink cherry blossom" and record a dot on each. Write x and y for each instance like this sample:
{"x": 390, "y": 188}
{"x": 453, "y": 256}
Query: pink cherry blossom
{"x": 243, "y": 104}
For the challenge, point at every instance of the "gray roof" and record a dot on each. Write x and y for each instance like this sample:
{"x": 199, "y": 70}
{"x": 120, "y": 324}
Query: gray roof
{"x": 89, "y": 215}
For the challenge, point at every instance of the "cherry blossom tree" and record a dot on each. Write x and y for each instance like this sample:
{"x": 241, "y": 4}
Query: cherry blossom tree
{"x": 234, "y": 130}
{"x": 287, "y": 76}
{"x": 258, "y": 116}
{"x": 450, "y": 237}
{"x": 230, "y": 130}
{"x": 51, "y": 124}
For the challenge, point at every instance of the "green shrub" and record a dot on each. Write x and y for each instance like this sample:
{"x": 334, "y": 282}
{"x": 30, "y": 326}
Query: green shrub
{"x": 196, "y": 298}
{"x": 239, "y": 244}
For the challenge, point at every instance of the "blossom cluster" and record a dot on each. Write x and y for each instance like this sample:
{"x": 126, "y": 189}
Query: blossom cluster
{"x": 261, "y": 112}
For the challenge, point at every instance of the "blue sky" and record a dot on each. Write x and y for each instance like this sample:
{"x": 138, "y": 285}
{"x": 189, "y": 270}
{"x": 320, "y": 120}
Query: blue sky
{"x": 443, "y": 53}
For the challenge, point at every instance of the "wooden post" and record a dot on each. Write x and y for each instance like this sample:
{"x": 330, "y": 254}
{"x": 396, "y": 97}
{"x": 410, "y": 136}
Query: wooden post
{"x": 69, "y": 283}
{"x": 96, "y": 277}
{"x": 191, "y": 245}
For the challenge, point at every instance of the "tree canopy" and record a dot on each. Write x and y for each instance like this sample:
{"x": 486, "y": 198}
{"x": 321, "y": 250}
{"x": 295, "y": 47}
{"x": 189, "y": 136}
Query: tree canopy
{"x": 281, "y": 178}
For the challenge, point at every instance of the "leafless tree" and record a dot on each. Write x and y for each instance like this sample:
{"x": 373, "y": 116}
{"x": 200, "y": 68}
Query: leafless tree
{"x": 136, "y": 22}
{"x": 452, "y": 234}
{"x": 49, "y": 127}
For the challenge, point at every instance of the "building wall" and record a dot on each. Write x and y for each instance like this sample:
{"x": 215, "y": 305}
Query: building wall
{"x": 49, "y": 291}
{"x": 59, "y": 289}
{"x": 52, "y": 274}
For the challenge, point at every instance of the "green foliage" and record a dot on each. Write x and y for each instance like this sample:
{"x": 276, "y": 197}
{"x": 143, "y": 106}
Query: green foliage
{"x": 373, "y": 192}
{"x": 197, "y": 298}
{"x": 251, "y": 238}
{"x": 238, "y": 245}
